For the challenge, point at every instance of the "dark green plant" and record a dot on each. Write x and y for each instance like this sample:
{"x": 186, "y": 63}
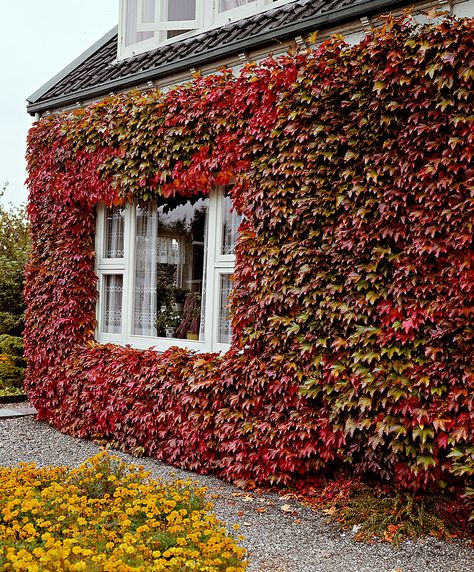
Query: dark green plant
{"x": 167, "y": 319}
{"x": 14, "y": 247}
{"x": 13, "y": 347}
{"x": 393, "y": 517}
{"x": 180, "y": 295}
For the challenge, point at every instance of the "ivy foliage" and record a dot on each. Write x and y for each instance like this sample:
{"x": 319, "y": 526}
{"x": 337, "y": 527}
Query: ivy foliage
{"x": 352, "y": 308}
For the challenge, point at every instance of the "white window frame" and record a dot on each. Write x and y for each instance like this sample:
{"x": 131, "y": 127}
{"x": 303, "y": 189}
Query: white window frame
{"x": 207, "y": 17}
{"x": 216, "y": 265}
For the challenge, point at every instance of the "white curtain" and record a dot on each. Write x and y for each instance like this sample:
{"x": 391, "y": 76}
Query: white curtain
{"x": 114, "y": 229}
{"x": 145, "y": 309}
{"x": 204, "y": 280}
{"x": 231, "y": 221}
{"x": 113, "y": 294}
{"x": 225, "y": 326}
{"x": 225, "y": 5}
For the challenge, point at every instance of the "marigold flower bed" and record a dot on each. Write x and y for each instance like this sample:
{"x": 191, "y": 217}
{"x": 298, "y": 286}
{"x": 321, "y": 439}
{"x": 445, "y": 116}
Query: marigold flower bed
{"x": 108, "y": 516}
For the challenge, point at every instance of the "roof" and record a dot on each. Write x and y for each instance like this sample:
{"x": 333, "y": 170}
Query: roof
{"x": 96, "y": 72}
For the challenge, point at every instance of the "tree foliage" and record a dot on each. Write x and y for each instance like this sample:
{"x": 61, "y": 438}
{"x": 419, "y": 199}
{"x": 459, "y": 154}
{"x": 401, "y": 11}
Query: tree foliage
{"x": 14, "y": 246}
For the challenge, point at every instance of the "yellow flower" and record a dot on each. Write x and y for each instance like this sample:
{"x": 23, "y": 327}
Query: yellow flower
{"x": 62, "y": 519}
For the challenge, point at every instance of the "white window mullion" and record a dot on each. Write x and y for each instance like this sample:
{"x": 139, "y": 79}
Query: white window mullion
{"x": 129, "y": 274}
{"x": 210, "y": 270}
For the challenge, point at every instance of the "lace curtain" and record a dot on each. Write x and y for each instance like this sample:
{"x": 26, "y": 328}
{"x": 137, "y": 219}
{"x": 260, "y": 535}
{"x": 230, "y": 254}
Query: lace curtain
{"x": 113, "y": 294}
{"x": 147, "y": 254}
{"x": 114, "y": 229}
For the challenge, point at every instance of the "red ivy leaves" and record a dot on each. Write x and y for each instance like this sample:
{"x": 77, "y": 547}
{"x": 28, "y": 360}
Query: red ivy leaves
{"x": 352, "y": 311}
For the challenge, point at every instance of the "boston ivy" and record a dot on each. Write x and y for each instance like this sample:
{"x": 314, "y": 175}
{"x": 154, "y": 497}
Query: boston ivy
{"x": 352, "y": 309}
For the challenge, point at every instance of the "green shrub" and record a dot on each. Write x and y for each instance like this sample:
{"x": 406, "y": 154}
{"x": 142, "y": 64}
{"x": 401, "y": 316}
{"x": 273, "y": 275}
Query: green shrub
{"x": 12, "y": 365}
{"x": 10, "y": 374}
{"x": 11, "y": 324}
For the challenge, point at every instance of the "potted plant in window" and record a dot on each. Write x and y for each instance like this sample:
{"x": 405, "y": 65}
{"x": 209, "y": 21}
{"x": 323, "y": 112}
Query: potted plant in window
{"x": 189, "y": 326}
{"x": 167, "y": 321}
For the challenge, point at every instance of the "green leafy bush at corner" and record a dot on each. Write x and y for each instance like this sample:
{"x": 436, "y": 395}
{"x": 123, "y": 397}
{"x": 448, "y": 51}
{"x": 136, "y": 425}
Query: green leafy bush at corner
{"x": 14, "y": 247}
{"x": 12, "y": 365}
{"x": 10, "y": 323}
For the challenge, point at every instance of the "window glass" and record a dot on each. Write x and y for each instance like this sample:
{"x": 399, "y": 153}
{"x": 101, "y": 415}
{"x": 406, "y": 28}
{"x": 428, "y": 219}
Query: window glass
{"x": 225, "y": 327}
{"x": 132, "y": 36}
{"x": 230, "y": 229}
{"x": 169, "y": 269}
{"x": 114, "y": 232}
{"x": 225, "y": 5}
{"x": 112, "y": 303}
{"x": 179, "y": 10}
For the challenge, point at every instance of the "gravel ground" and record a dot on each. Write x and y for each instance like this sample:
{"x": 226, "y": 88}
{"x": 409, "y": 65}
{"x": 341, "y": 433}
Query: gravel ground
{"x": 282, "y": 536}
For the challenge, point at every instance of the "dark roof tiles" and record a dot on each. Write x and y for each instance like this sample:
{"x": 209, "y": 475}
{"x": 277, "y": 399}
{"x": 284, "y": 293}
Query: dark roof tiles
{"x": 101, "y": 68}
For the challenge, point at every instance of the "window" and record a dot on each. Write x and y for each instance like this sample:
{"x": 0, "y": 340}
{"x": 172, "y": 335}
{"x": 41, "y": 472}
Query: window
{"x": 145, "y": 24}
{"x": 165, "y": 273}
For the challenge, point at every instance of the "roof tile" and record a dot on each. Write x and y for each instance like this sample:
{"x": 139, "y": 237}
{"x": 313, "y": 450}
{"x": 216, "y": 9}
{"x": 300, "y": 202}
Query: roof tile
{"x": 101, "y": 68}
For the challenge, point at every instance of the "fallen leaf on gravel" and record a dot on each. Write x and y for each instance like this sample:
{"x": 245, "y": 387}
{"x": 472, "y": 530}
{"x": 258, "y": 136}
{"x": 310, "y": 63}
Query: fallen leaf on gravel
{"x": 286, "y": 508}
{"x": 248, "y": 498}
{"x": 240, "y": 513}
{"x": 297, "y": 521}
{"x": 247, "y": 523}
{"x": 329, "y": 511}
{"x": 263, "y": 509}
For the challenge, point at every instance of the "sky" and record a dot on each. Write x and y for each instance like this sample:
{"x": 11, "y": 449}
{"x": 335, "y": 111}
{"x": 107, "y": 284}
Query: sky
{"x": 39, "y": 38}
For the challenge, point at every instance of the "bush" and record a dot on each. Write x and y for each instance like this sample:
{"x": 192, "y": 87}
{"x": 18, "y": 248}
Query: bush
{"x": 14, "y": 246}
{"x": 106, "y": 515}
{"x": 12, "y": 365}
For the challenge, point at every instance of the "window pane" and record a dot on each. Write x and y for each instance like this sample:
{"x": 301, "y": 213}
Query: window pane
{"x": 225, "y": 327}
{"x": 169, "y": 269}
{"x": 114, "y": 229}
{"x": 148, "y": 11}
{"x": 230, "y": 230}
{"x": 179, "y": 10}
{"x": 132, "y": 36}
{"x": 225, "y": 5}
{"x": 112, "y": 306}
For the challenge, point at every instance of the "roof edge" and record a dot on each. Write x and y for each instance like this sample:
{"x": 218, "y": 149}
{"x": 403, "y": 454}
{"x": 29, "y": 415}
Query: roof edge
{"x": 340, "y": 16}
{"x": 73, "y": 65}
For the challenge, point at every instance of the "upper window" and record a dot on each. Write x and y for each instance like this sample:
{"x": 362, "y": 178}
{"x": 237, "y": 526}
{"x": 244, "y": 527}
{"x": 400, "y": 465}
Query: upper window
{"x": 165, "y": 273}
{"x": 144, "y": 24}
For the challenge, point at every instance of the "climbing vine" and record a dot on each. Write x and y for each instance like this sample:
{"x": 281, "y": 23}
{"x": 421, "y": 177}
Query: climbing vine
{"x": 352, "y": 304}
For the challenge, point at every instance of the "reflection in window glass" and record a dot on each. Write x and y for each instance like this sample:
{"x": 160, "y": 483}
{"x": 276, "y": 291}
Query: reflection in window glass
{"x": 132, "y": 36}
{"x": 169, "y": 269}
{"x": 225, "y": 5}
{"x": 231, "y": 222}
{"x": 112, "y": 306}
{"x": 114, "y": 229}
{"x": 179, "y": 10}
{"x": 225, "y": 327}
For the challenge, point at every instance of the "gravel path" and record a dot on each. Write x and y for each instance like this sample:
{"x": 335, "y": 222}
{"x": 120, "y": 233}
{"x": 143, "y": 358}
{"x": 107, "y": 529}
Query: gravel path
{"x": 294, "y": 539}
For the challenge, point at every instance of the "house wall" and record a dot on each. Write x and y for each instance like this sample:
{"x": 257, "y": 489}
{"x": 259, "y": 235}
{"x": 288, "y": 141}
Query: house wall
{"x": 353, "y": 277}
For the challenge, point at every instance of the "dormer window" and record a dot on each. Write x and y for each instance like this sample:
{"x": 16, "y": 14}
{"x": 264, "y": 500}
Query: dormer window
{"x": 146, "y": 24}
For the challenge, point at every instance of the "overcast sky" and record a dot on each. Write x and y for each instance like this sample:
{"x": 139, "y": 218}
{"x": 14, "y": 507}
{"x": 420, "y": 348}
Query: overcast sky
{"x": 39, "y": 38}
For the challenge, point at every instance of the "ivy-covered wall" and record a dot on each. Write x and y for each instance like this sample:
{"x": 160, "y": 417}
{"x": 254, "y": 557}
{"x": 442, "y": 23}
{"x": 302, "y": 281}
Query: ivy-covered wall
{"x": 352, "y": 311}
